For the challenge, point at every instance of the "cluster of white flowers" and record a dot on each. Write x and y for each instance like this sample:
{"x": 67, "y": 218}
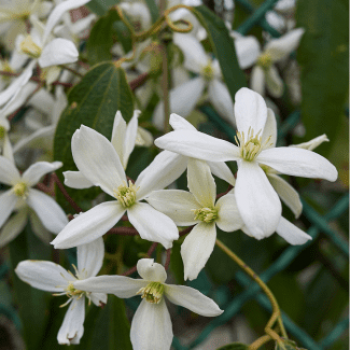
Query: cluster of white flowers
{"x": 252, "y": 205}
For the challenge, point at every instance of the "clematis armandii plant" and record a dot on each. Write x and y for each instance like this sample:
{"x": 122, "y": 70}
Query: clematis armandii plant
{"x": 151, "y": 327}
{"x": 48, "y": 276}
{"x": 44, "y": 50}
{"x": 99, "y": 162}
{"x": 257, "y": 201}
{"x": 198, "y": 207}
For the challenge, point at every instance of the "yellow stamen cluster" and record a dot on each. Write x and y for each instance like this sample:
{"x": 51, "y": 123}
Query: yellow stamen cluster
{"x": 2, "y": 132}
{"x": 252, "y": 145}
{"x": 126, "y": 194}
{"x": 265, "y": 61}
{"x": 20, "y": 189}
{"x": 206, "y": 215}
{"x": 30, "y": 48}
{"x": 208, "y": 72}
{"x": 153, "y": 292}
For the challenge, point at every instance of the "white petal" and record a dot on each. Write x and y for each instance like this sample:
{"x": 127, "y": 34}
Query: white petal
{"x": 229, "y": 218}
{"x": 177, "y": 122}
{"x": 57, "y": 13}
{"x": 247, "y": 50}
{"x": 291, "y": 233}
{"x": 118, "y": 135}
{"x": 221, "y": 100}
{"x": 99, "y": 299}
{"x": 90, "y": 258}
{"x": 76, "y": 179}
{"x": 274, "y": 83}
{"x": 153, "y": 225}
{"x": 36, "y": 171}
{"x": 312, "y": 144}
{"x": 151, "y": 327}
{"x": 257, "y": 80}
{"x": 280, "y": 48}
{"x": 58, "y": 51}
{"x": 195, "y": 56}
{"x": 164, "y": 170}
{"x": 270, "y": 129}
{"x": 182, "y": 100}
{"x": 151, "y": 271}
{"x": 130, "y": 137}
{"x": 250, "y": 110}
{"x": 144, "y": 138}
{"x": 193, "y": 300}
{"x": 44, "y": 275}
{"x": 197, "y": 248}
{"x": 49, "y": 212}
{"x": 96, "y": 158}
{"x": 176, "y": 204}
{"x": 38, "y": 228}
{"x": 72, "y": 328}
{"x": 298, "y": 162}
{"x": 89, "y": 226}
{"x": 121, "y": 286}
{"x": 9, "y": 174}
{"x": 198, "y": 145}
{"x": 257, "y": 201}
{"x": 287, "y": 193}
{"x": 13, "y": 227}
{"x": 222, "y": 171}
{"x": 200, "y": 182}
{"x": 7, "y": 148}
{"x": 7, "y": 203}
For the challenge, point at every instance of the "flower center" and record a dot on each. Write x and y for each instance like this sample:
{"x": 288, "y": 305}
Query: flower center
{"x": 126, "y": 194}
{"x": 6, "y": 68}
{"x": 2, "y": 132}
{"x": 208, "y": 72}
{"x": 251, "y": 146}
{"x": 153, "y": 292}
{"x": 265, "y": 61}
{"x": 207, "y": 215}
{"x": 20, "y": 189}
{"x": 30, "y": 48}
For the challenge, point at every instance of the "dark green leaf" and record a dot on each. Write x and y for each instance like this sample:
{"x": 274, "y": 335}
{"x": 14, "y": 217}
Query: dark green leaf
{"x": 223, "y": 48}
{"x": 100, "y": 7}
{"x": 93, "y": 102}
{"x": 323, "y": 57}
{"x": 234, "y": 346}
{"x": 153, "y": 8}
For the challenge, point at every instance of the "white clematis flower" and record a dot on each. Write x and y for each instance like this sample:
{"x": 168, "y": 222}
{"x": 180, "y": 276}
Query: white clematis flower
{"x": 184, "y": 97}
{"x": 257, "y": 201}
{"x": 151, "y": 327}
{"x": 99, "y": 162}
{"x": 198, "y": 207}
{"x": 49, "y": 212}
{"x": 51, "y": 277}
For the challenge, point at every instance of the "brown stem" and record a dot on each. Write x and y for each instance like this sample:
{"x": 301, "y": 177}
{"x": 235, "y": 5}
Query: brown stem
{"x": 125, "y": 231}
{"x": 185, "y": 231}
{"x": 45, "y": 189}
{"x": 152, "y": 249}
{"x": 139, "y": 81}
{"x": 167, "y": 261}
{"x": 130, "y": 271}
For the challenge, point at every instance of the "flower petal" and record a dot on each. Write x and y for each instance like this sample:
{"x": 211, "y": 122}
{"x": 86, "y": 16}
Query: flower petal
{"x": 287, "y": 193}
{"x": 49, "y": 212}
{"x": 87, "y": 227}
{"x": 201, "y": 183}
{"x": 151, "y": 327}
{"x": 97, "y": 159}
{"x": 198, "y": 145}
{"x": 76, "y": 179}
{"x": 13, "y": 227}
{"x": 274, "y": 83}
{"x": 9, "y": 174}
{"x": 197, "y": 248}
{"x": 130, "y": 137}
{"x": 90, "y": 258}
{"x": 164, "y": 170}
{"x": 247, "y": 50}
{"x": 44, "y": 275}
{"x": 250, "y": 111}
{"x": 257, "y": 80}
{"x": 7, "y": 203}
{"x": 153, "y": 225}
{"x": 177, "y": 122}
{"x": 298, "y": 162}
{"x": 312, "y": 144}
{"x": 151, "y": 271}
{"x": 176, "y": 204}
{"x": 229, "y": 218}
{"x": 118, "y": 136}
{"x": 121, "y": 286}
{"x": 34, "y": 173}
{"x": 291, "y": 233}
{"x": 72, "y": 328}
{"x": 38, "y": 228}
{"x": 222, "y": 171}
{"x": 221, "y": 100}
{"x": 193, "y": 300}
{"x": 257, "y": 201}
{"x": 99, "y": 299}
{"x": 270, "y": 129}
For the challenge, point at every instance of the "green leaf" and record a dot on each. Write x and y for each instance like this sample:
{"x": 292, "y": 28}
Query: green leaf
{"x": 323, "y": 57}
{"x": 32, "y": 303}
{"x": 235, "y": 346}
{"x": 287, "y": 344}
{"x": 100, "y": 7}
{"x": 93, "y": 102}
{"x": 223, "y": 48}
{"x": 153, "y": 8}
